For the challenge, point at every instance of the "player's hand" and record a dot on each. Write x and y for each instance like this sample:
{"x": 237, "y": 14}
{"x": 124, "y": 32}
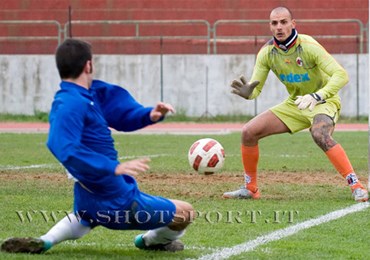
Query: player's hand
{"x": 242, "y": 87}
{"x": 160, "y": 110}
{"x": 133, "y": 167}
{"x": 308, "y": 100}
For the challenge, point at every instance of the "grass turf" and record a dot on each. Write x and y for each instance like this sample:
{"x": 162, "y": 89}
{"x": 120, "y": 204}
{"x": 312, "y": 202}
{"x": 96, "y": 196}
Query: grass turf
{"x": 297, "y": 182}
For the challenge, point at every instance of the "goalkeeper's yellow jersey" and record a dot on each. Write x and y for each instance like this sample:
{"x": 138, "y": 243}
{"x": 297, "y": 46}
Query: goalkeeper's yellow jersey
{"x": 305, "y": 68}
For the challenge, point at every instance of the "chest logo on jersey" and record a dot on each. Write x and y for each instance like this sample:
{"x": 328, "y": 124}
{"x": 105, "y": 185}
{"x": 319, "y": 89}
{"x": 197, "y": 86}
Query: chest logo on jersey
{"x": 299, "y": 61}
{"x": 293, "y": 78}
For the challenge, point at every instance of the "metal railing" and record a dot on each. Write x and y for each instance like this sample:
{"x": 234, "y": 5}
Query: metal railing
{"x": 211, "y": 34}
{"x": 366, "y": 31}
{"x": 358, "y": 35}
{"x": 57, "y": 37}
{"x": 138, "y": 35}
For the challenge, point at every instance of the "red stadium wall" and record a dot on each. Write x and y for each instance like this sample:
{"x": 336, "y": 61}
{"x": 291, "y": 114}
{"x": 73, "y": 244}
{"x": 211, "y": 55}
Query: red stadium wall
{"x": 11, "y": 40}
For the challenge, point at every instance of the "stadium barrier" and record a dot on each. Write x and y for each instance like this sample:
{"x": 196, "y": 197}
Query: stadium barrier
{"x": 142, "y": 30}
{"x": 193, "y": 82}
{"x": 354, "y": 33}
{"x": 224, "y": 37}
{"x": 29, "y": 36}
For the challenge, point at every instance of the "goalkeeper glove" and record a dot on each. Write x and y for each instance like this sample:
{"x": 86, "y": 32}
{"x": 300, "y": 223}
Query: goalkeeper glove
{"x": 308, "y": 100}
{"x": 242, "y": 88}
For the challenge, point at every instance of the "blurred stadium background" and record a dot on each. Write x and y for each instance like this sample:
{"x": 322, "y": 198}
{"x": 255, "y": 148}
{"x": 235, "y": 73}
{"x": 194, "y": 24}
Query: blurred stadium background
{"x": 184, "y": 52}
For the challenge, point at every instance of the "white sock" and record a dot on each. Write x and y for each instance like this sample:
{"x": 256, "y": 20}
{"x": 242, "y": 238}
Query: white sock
{"x": 161, "y": 235}
{"x": 66, "y": 229}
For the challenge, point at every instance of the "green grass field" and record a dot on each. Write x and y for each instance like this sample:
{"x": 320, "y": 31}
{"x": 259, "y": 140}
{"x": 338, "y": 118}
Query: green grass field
{"x": 296, "y": 180}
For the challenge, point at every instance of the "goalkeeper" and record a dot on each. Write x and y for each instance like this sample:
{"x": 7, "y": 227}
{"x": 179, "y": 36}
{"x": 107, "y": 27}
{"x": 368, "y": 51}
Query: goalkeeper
{"x": 312, "y": 78}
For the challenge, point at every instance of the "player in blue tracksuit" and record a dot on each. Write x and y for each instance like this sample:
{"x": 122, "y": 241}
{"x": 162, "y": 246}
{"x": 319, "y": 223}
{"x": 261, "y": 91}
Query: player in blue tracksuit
{"x": 81, "y": 140}
{"x": 105, "y": 191}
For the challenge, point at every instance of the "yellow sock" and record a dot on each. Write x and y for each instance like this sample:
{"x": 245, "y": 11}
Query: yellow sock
{"x": 250, "y": 156}
{"x": 340, "y": 161}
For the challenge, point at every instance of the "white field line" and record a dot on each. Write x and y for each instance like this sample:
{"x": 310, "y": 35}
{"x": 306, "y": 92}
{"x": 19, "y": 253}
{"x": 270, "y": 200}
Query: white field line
{"x": 34, "y": 166}
{"x": 143, "y": 156}
{"x": 282, "y": 233}
{"x": 50, "y": 165}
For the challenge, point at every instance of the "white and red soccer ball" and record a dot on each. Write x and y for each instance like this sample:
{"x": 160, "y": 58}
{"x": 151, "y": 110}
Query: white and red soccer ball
{"x": 206, "y": 156}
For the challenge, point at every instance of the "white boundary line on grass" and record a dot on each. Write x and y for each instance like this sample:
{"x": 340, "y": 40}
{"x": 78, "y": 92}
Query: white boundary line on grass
{"x": 35, "y": 166}
{"x": 282, "y": 233}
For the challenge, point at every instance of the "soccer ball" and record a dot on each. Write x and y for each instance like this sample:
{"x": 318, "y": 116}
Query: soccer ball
{"x": 206, "y": 156}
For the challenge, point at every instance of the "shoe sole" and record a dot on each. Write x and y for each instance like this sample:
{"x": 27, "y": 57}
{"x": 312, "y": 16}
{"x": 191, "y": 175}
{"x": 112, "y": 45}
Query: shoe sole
{"x": 23, "y": 245}
{"x": 362, "y": 200}
{"x": 173, "y": 246}
{"x": 255, "y": 197}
